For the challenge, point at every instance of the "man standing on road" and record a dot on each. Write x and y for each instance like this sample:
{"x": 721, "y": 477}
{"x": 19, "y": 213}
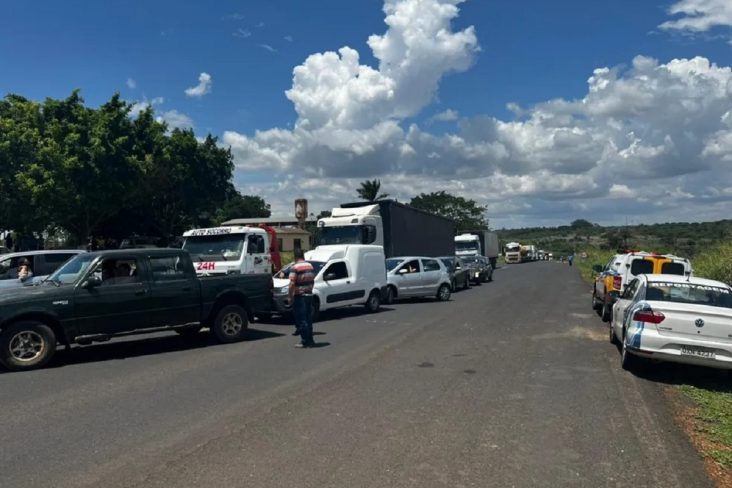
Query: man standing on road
{"x": 302, "y": 277}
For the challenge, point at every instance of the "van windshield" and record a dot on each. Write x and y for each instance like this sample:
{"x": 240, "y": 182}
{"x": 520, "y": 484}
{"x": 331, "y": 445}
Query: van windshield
{"x": 226, "y": 247}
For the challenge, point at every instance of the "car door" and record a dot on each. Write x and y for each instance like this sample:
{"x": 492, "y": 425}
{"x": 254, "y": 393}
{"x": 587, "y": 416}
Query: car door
{"x": 409, "y": 278}
{"x": 622, "y": 306}
{"x": 338, "y": 287}
{"x": 175, "y": 291}
{"x": 116, "y": 303}
{"x": 431, "y": 276}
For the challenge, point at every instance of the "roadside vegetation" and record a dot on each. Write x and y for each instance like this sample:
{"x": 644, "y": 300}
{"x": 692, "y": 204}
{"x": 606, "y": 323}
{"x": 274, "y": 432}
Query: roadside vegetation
{"x": 713, "y": 415}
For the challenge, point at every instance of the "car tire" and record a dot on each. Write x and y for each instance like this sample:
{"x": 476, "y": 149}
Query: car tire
{"x": 466, "y": 284}
{"x": 606, "y": 313}
{"x": 490, "y": 277}
{"x": 628, "y": 361}
{"x": 594, "y": 300}
{"x": 443, "y": 292}
{"x": 374, "y": 302}
{"x": 230, "y": 324}
{"x": 390, "y": 295}
{"x": 27, "y": 345}
{"x": 453, "y": 285}
{"x": 611, "y": 336}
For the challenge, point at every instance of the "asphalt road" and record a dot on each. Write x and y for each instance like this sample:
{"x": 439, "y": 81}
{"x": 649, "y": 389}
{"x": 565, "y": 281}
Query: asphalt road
{"x": 512, "y": 383}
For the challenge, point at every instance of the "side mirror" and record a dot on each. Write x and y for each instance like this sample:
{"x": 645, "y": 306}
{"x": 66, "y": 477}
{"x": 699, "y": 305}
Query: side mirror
{"x": 597, "y": 268}
{"x": 329, "y": 277}
{"x": 403, "y": 271}
{"x": 91, "y": 282}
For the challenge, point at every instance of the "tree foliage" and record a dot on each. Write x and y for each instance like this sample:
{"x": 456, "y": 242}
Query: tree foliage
{"x": 370, "y": 189}
{"x": 467, "y": 214}
{"x": 99, "y": 171}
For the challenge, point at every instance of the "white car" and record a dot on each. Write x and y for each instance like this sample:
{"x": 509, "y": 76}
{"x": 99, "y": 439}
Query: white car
{"x": 415, "y": 276}
{"x": 674, "y": 318}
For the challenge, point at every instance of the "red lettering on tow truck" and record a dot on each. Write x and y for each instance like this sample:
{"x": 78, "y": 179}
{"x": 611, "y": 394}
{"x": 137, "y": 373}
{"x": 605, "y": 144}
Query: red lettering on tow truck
{"x": 208, "y": 266}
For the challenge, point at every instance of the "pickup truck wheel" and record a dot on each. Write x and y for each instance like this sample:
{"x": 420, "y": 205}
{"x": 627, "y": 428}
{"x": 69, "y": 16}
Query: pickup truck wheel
{"x": 27, "y": 345}
{"x": 374, "y": 302}
{"x": 443, "y": 293}
{"x": 607, "y": 311}
{"x": 230, "y": 324}
{"x": 596, "y": 306}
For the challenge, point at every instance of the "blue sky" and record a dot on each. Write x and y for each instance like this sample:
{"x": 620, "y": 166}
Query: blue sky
{"x": 526, "y": 53}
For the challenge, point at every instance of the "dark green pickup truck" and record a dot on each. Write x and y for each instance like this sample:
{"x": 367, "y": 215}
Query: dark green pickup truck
{"x": 100, "y": 295}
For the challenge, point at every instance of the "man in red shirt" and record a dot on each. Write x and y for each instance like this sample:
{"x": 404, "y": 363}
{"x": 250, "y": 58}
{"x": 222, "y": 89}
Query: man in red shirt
{"x": 302, "y": 277}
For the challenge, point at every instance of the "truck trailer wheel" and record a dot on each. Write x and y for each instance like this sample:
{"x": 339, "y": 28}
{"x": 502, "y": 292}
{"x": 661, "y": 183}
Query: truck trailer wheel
{"x": 374, "y": 302}
{"x": 27, "y": 345}
{"x": 230, "y": 324}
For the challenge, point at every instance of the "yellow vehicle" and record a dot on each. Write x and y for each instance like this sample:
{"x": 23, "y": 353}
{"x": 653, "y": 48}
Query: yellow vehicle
{"x": 622, "y": 268}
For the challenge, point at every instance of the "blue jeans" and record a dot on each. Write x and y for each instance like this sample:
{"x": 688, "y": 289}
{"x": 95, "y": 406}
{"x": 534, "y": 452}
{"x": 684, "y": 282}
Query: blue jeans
{"x": 302, "y": 310}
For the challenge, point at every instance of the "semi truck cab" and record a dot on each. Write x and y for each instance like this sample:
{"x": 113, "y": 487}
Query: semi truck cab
{"x": 228, "y": 250}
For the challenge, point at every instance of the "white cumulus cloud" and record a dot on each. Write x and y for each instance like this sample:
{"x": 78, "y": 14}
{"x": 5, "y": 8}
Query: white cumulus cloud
{"x": 203, "y": 87}
{"x": 131, "y": 84}
{"x": 699, "y": 15}
{"x": 175, "y": 120}
{"x": 656, "y": 132}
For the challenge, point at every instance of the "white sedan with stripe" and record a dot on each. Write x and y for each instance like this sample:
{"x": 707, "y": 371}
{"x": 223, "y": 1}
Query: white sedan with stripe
{"x": 674, "y": 318}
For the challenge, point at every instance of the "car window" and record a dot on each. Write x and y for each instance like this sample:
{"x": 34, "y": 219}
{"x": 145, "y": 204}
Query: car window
{"x": 166, "y": 268}
{"x": 9, "y": 267}
{"x": 691, "y": 293}
{"x": 340, "y": 270}
{"x": 118, "y": 271}
{"x": 431, "y": 265}
{"x": 48, "y": 263}
{"x": 673, "y": 268}
{"x": 412, "y": 266}
{"x": 630, "y": 290}
{"x": 255, "y": 244}
{"x": 450, "y": 264}
{"x": 641, "y": 266}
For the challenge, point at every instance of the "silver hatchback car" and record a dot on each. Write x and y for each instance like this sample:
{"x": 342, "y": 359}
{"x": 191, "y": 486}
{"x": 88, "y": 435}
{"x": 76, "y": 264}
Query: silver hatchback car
{"x": 416, "y": 276}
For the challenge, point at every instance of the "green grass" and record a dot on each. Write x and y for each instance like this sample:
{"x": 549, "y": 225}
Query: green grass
{"x": 715, "y": 264}
{"x": 595, "y": 255}
{"x": 715, "y": 416}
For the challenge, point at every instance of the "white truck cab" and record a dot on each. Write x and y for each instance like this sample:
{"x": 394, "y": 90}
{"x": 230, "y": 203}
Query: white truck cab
{"x": 468, "y": 245}
{"x": 346, "y": 275}
{"x": 228, "y": 250}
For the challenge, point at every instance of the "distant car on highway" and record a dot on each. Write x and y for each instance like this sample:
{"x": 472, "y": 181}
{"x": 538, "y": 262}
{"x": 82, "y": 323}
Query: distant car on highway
{"x": 480, "y": 269}
{"x": 674, "y": 318}
{"x": 414, "y": 276}
{"x": 459, "y": 273}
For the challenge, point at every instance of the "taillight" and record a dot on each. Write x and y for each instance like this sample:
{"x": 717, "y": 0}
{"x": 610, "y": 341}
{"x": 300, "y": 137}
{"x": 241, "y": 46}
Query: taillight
{"x": 649, "y": 316}
{"x": 617, "y": 282}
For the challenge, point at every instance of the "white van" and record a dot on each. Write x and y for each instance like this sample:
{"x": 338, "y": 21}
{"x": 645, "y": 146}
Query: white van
{"x": 228, "y": 250}
{"x": 345, "y": 275}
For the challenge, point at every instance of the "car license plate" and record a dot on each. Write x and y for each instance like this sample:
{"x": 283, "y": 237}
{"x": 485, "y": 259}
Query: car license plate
{"x": 699, "y": 352}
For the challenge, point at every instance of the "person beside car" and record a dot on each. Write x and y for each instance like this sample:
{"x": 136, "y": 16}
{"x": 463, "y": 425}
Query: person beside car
{"x": 302, "y": 280}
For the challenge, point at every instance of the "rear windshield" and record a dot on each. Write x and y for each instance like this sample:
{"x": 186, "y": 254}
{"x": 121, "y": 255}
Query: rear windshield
{"x": 689, "y": 293}
{"x": 641, "y": 266}
{"x": 673, "y": 269}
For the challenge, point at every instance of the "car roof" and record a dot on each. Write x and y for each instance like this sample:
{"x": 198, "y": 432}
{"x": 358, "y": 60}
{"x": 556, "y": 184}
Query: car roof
{"x": 404, "y": 258}
{"x": 38, "y": 253}
{"x": 665, "y": 278}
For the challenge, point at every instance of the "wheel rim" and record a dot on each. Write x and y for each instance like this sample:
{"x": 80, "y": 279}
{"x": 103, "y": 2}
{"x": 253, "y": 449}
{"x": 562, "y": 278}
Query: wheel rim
{"x": 27, "y": 346}
{"x": 232, "y": 324}
{"x": 373, "y": 302}
{"x": 444, "y": 293}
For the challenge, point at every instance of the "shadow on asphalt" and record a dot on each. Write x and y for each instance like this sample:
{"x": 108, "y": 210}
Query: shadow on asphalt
{"x": 111, "y": 351}
{"x": 325, "y": 316}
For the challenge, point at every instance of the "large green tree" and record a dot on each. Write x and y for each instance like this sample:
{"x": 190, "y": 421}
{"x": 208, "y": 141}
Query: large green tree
{"x": 467, "y": 214}
{"x": 238, "y": 206}
{"x": 370, "y": 189}
{"x": 101, "y": 171}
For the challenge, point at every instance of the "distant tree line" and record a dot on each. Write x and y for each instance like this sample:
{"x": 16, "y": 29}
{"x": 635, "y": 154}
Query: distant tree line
{"x": 102, "y": 172}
